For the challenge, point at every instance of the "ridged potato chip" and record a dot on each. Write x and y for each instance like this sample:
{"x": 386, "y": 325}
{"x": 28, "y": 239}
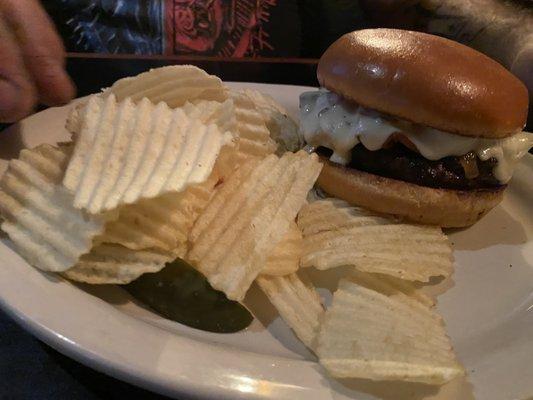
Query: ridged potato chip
{"x": 196, "y": 93}
{"x": 283, "y": 129}
{"x": 336, "y": 234}
{"x": 213, "y": 112}
{"x": 285, "y": 257}
{"x": 173, "y": 85}
{"x": 224, "y": 116}
{"x": 114, "y": 264}
{"x": 162, "y": 223}
{"x": 263, "y": 102}
{"x": 247, "y": 217}
{"x": 208, "y": 112}
{"x": 39, "y": 216}
{"x": 297, "y": 302}
{"x": 374, "y": 331}
{"x": 73, "y": 123}
{"x": 254, "y": 137}
{"x": 188, "y": 86}
{"x": 126, "y": 152}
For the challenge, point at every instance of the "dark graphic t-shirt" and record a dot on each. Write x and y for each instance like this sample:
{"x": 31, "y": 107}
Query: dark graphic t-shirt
{"x": 228, "y": 28}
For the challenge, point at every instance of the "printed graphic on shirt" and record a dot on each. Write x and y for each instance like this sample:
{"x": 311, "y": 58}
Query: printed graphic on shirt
{"x": 104, "y": 26}
{"x": 229, "y": 28}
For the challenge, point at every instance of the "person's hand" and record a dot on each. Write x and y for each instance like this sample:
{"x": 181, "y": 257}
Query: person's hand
{"x": 32, "y": 60}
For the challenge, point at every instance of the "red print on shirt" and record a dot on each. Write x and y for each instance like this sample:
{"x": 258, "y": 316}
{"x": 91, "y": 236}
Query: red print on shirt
{"x": 229, "y": 28}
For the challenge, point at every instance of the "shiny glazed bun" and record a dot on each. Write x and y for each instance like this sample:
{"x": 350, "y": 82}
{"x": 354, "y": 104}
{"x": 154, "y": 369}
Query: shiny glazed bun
{"x": 442, "y": 207}
{"x": 426, "y": 79}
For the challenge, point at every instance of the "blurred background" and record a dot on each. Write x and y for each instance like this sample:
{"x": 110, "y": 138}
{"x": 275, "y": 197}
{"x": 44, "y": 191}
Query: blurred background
{"x": 278, "y": 28}
{"x": 282, "y": 31}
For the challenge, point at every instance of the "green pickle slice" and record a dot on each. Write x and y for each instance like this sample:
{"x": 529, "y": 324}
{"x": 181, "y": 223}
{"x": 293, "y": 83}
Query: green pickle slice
{"x": 180, "y": 293}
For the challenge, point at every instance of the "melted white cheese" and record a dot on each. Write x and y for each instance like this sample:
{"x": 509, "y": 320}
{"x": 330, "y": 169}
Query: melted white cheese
{"x": 329, "y": 121}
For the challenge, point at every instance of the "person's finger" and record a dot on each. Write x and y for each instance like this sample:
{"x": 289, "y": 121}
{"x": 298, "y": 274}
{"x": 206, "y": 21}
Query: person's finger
{"x": 42, "y": 50}
{"x": 17, "y": 92}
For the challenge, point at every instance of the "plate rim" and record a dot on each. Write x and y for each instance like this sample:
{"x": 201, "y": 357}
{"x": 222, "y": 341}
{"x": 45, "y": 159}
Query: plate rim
{"x": 152, "y": 381}
{"x": 180, "y": 386}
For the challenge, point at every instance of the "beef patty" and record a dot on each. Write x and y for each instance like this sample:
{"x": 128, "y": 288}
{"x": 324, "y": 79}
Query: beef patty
{"x": 466, "y": 172}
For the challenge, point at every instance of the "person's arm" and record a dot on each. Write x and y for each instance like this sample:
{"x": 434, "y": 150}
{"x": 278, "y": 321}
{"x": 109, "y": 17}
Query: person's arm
{"x": 32, "y": 60}
{"x": 503, "y": 30}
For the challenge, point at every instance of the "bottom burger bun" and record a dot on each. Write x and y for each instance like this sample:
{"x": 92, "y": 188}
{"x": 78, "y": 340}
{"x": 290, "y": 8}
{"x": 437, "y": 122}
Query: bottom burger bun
{"x": 443, "y": 207}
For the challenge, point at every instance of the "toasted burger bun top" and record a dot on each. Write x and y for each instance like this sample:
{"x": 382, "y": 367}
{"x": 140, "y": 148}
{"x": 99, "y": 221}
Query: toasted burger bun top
{"x": 426, "y": 79}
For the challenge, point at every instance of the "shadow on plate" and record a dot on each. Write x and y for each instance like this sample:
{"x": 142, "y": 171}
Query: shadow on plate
{"x": 268, "y": 317}
{"x": 112, "y": 294}
{"x": 458, "y": 389}
{"x": 265, "y": 315}
{"x": 52, "y": 277}
{"x": 436, "y": 286}
{"x": 259, "y": 305}
{"x": 328, "y": 281}
{"x": 255, "y": 301}
{"x": 498, "y": 227}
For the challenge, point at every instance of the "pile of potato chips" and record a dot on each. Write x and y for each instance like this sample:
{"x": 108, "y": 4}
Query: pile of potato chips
{"x": 172, "y": 163}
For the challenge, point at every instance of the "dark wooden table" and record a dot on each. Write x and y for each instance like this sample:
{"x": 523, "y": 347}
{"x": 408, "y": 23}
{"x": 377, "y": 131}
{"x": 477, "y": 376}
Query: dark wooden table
{"x": 30, "y": 369}
{"x": 91, "y": 72}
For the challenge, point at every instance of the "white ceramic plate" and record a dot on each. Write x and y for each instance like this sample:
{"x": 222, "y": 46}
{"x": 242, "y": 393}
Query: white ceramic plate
{"x": 488, "y": 311}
